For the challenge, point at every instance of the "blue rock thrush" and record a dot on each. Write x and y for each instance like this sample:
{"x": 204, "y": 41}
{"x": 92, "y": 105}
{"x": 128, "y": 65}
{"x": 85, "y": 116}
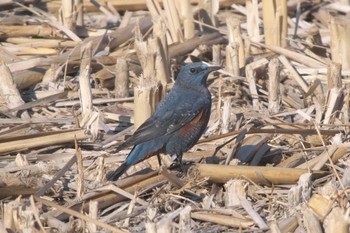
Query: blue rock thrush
{"x": 178, "y": 122}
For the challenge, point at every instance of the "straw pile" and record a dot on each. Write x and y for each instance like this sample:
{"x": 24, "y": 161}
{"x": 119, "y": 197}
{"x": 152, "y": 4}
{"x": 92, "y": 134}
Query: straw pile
{"x": 76, "y": 78}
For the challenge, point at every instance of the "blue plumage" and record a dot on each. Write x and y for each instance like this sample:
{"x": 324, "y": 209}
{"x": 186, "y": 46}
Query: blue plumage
{"x": 178, "y": 122}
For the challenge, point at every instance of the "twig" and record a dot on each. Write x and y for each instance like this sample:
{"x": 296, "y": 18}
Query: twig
{"x": 328, "y": 132}
{"x": 58, "y": 175}
{"x": 78, "y": 215}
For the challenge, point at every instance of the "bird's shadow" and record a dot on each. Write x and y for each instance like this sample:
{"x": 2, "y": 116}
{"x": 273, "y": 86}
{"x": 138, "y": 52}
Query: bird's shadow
{"x": 214, "y": 159}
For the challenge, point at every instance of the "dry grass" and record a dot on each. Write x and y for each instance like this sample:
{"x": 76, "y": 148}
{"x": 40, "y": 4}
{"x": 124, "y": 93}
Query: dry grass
{"x": 275, "y": 156}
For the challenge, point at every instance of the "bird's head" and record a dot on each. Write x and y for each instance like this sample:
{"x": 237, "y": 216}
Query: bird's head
{"x": 195, "y": 74}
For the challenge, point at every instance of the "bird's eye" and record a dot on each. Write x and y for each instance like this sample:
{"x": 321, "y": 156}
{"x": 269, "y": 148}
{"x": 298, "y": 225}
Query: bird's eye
{"x": 193, "y": 70}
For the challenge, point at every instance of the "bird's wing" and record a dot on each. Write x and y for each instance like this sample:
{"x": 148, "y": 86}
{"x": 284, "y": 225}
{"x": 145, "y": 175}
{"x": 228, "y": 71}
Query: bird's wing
{"x": 168, "y": 118}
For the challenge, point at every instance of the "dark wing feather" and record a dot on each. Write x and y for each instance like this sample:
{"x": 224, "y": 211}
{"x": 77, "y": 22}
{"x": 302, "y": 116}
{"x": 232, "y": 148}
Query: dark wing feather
{"x": 172, "y": 114}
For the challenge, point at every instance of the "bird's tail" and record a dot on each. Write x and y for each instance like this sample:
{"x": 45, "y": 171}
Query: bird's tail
{"x": 137, "y": 154}
{"x": 120, "y": 171}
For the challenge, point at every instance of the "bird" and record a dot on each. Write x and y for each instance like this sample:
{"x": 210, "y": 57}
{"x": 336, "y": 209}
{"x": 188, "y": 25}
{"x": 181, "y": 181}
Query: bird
{"x": 178, "y": 122}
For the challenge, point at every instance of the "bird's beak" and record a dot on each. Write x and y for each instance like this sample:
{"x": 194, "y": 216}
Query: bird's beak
{"x": 213, "y": 68}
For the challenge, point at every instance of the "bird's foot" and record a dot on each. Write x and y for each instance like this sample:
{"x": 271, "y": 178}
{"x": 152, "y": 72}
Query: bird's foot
{"x": 182, "y": 167}
{"x": 177, "y": 165}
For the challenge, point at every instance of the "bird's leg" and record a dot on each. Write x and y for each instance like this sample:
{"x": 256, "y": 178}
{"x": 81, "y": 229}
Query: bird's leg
{"x": 179, "y": 158}
{"x": 159, "y": 160}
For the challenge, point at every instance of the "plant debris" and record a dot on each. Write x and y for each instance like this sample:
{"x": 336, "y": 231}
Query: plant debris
{"x": 77, "y": 78}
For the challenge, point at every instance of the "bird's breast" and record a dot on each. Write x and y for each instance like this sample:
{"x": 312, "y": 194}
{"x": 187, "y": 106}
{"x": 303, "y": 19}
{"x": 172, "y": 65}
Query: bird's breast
{"x": 196, "y": 126}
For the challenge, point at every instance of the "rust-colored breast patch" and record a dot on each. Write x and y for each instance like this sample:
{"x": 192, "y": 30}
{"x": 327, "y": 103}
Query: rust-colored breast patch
{"x": 197, "y": 121}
